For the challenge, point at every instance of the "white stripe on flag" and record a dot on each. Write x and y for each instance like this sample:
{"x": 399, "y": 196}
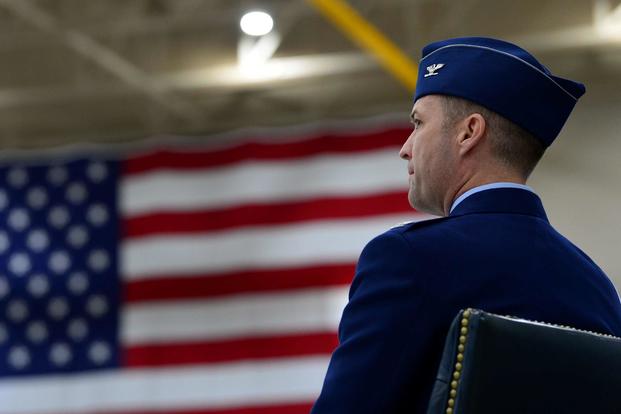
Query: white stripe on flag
{"x": 348, "y": 174}
{"x": 238, "y": 316}
{"x": 325, "y": 241}
{"x": 217, "y": 386}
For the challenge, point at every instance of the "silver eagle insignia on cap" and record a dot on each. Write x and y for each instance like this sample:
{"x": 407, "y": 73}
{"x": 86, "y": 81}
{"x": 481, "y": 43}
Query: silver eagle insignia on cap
{"x": 433, "y": 69}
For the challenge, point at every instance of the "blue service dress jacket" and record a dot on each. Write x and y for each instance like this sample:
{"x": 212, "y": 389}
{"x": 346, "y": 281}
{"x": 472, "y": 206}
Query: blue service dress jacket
{"x": 496, "y": 251}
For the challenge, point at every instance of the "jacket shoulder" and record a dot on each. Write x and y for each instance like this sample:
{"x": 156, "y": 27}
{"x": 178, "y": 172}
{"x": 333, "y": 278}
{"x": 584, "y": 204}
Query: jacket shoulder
{"x": 411, "y": 236}
{"x": 430, "y": 224}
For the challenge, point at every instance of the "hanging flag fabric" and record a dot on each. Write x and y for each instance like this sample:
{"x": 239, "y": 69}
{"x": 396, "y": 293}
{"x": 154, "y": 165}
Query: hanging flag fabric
{"x": 187, "y": 280}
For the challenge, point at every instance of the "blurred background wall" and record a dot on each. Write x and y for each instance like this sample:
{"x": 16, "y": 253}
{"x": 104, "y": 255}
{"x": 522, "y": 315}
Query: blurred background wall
{"x": 182, "y": 204}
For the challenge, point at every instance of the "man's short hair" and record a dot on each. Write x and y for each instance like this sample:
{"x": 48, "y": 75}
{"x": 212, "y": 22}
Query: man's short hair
{"x": 510, "y": 143}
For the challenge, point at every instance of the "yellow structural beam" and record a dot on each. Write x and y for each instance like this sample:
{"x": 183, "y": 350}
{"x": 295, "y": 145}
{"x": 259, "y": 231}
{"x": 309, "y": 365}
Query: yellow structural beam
{"x": 343, "y": 16}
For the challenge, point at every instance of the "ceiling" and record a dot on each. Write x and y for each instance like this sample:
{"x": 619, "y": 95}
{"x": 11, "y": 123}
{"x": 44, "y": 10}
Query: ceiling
{"x": 120, "y": 70}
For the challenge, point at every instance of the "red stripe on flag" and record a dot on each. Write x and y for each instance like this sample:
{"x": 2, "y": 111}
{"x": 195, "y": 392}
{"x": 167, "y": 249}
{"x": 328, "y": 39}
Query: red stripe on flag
{"x": 317, "y": 343}
{"x": 266, "y": 214}
{"x": 188, "y": 160}
{"x": 211, "y": 285}
{"x": 295, "y": 408}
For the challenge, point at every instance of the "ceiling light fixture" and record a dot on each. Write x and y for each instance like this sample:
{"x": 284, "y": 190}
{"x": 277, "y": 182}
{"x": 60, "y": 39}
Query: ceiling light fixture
{"x": 256, "y": 23}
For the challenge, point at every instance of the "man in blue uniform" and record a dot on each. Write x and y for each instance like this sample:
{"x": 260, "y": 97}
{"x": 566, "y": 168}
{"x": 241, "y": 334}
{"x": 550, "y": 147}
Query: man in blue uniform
{"x": 484, "y": 112}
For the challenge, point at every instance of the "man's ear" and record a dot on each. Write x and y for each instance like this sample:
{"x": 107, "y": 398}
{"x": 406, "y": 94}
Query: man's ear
{"x": 471, "y": 133}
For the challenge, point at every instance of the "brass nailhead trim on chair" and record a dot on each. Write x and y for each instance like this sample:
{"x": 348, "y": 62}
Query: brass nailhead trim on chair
{"x": 460, "y": 357}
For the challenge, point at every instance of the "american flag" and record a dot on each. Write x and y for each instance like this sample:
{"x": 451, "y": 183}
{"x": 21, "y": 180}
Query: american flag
{"x": 204, "y": 279}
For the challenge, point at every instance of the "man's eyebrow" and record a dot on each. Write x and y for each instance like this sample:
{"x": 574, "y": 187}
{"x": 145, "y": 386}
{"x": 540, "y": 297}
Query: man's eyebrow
{"x": 412, "y": 115}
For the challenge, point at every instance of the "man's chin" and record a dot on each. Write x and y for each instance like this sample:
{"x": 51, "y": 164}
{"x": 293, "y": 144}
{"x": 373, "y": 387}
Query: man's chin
{"x": 411, "y": 199}
{"x": 415, "y": 202}
{"x": 418, "y": 204}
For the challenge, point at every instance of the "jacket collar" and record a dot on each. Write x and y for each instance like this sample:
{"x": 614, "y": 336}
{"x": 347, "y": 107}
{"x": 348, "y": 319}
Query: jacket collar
{"x": 502, "y": 200}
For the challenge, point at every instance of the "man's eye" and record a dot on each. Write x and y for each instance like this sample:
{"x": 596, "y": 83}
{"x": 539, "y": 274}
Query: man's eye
{"x": 416, "y": 123}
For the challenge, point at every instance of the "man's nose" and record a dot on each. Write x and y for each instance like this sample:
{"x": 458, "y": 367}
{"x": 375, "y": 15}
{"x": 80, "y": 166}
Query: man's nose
{"x": 406, "y": 150}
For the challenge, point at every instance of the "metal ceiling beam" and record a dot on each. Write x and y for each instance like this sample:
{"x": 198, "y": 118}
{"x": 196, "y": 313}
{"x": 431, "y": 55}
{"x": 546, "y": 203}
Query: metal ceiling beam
{"x": 104, "y": 57}
{"x": 214, "y": 80}
{"x": 573, "y": 38}
{"x": 367, "y": 36}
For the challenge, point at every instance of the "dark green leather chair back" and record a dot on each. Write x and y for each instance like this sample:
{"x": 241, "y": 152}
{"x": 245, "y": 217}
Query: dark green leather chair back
{"x": 496, "y": 364}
